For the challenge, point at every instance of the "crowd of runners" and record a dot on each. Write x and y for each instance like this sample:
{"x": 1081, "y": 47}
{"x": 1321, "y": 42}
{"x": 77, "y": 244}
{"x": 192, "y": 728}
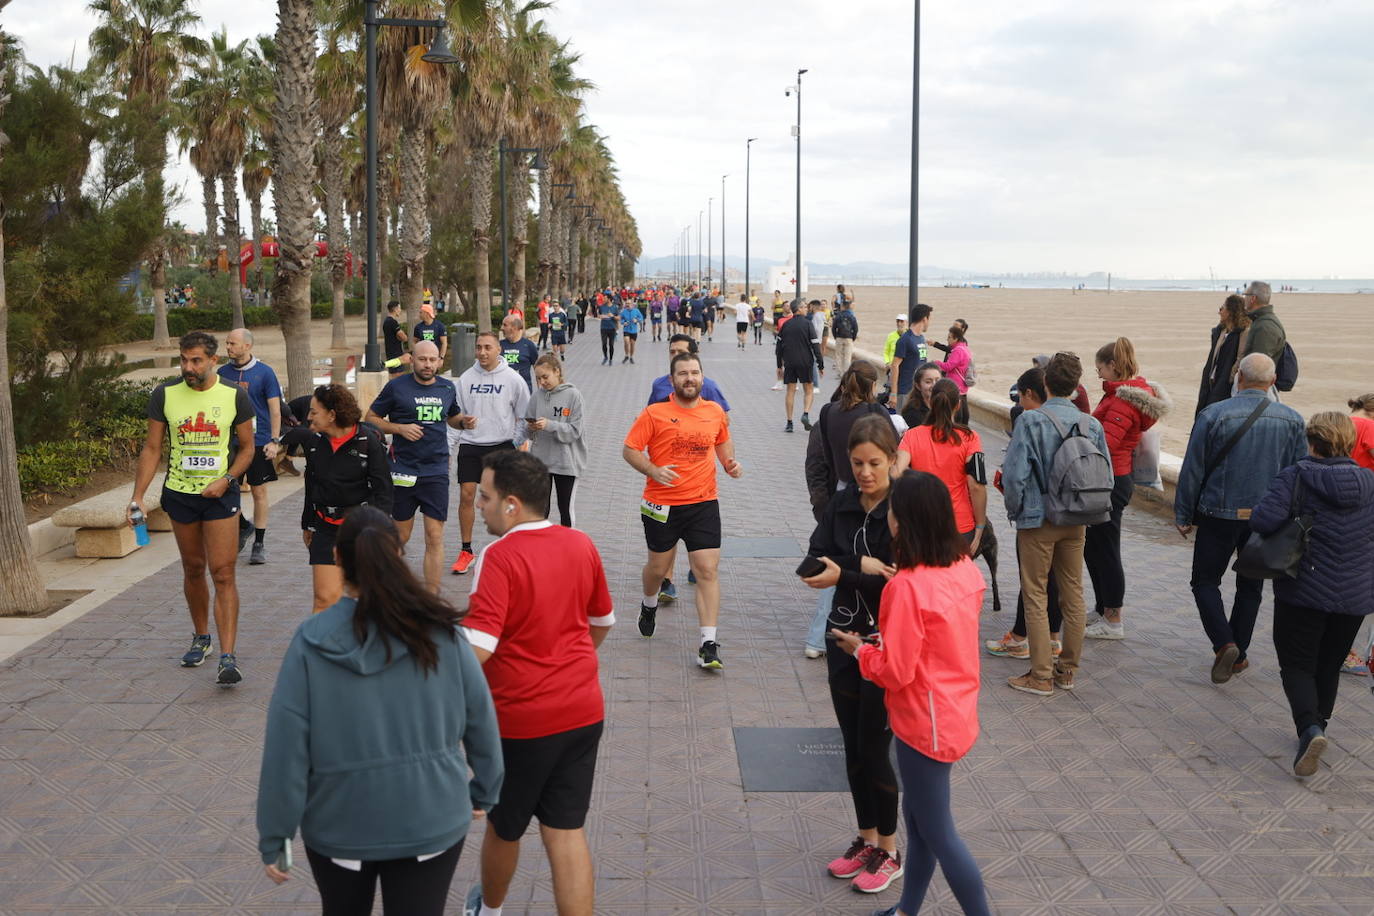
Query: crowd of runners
{"x": 377, "y": 691}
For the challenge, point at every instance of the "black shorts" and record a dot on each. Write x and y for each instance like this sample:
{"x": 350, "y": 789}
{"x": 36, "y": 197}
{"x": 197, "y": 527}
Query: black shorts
{"x": 322, "y": 544}
{"x": 428, "y": 494}
{"x": 470, "y": 459}
{"x": 656, "y": 319}
{"x": 559, "y": 338}
{"x": 632, "y": 335}
{"x": 260, "y": 471}
{"x": 549, "y": 778}
{"x": 696, "y": 525}
{"x": 802, "y": 372}
{"x": 190, "y": 508}
{"x": 741, "y": 327}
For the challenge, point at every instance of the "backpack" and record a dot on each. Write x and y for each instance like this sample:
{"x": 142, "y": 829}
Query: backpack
{"x": 845, "y": 326}
{"x": 1079, "y": 490}
{"x": 970, "y": 374}
{"x": 1286, "y": 372}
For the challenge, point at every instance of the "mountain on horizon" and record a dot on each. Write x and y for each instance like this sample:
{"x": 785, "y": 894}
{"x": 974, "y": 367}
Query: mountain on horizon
{"x": 758, "y": 268}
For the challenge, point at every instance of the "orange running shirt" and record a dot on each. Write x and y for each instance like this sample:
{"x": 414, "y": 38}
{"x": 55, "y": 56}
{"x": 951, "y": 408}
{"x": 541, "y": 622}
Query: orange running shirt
{"x": 685, "y": 438}
{"x": 947, "y": 461}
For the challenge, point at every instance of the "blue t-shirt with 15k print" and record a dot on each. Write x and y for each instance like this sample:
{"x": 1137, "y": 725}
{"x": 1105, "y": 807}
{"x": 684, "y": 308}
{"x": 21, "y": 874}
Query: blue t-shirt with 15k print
{"x": 404, "y": 400}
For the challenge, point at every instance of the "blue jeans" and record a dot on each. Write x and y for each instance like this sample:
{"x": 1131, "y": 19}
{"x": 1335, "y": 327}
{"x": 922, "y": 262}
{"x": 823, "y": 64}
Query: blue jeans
{"x": 815, "y": 637}
{"x": 1215, "y": 542}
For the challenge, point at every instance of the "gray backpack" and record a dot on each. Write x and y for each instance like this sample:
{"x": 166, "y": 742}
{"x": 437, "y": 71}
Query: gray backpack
{"x": 1079, "y": 491}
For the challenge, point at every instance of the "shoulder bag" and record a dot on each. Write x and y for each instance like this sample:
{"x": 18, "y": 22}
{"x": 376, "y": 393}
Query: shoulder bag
{"x": 1278, "y": 555}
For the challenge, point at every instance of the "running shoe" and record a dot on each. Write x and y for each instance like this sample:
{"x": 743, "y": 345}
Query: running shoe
{"x": 776, "y": 387}
{"x": 258, "y": 557}
{"x": 708, "y": 656}
{"x": 1056, "y": 647}
{"x": 228, "y": 674}
{"x": 691, "y": 577}
{"x": 881, "y": 869}
{"x": 1029, "y": 683}
{"x": 195, "y": 656}
{"x": 245, "y": 532}
{"x": 806, "y": 421}
{"x": 1008, "y": 647}
{"x": 1353, "y": 664}
{"x": 1104, "y": 629}
{"x": 853, "y": 860}
{"x": 463, "y": 563}
{"x": 667, "y": 591}
{"x": 473, "y": 904}
{"x": 811, "y": 652}
{"x": 647, "y": 620}
{"x": 788, "y": 428}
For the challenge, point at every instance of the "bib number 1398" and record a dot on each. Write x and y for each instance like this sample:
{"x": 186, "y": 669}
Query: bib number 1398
{"x": 200, "y": 463}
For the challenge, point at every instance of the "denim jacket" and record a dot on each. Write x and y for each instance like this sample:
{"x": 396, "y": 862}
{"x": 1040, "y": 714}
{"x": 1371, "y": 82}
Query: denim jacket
{"x": 1277, "y": 440}
{"x": 1034, "y": 440}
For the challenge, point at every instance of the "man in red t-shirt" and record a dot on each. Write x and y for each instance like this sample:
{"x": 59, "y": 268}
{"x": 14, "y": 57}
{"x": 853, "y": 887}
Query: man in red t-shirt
{"x": 539, "y": 609}
{"x": 683, "y": 436}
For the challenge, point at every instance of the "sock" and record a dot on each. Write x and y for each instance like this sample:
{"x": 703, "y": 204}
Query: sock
{"x": 258, "y": 535}
{"x": 708, "y": 634}
{"x": 650, "y": 601}
{"x": 467, "y": 545}
{"x": 489, "y": 910}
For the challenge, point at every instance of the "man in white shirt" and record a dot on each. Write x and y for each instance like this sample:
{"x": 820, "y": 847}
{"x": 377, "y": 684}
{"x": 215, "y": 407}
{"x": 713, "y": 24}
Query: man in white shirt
{"x": 742, "y": 319}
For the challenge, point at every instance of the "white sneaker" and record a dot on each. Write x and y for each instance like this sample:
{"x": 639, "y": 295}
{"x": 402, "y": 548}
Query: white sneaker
{"x": 1102, "y": 629}
{"x": 812, "y": 653}
{"x": 776, "y": 387}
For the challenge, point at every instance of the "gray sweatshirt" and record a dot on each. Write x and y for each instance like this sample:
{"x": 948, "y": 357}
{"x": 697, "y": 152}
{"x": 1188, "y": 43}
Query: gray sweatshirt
{"x": 497, "y": 399}
{"x": 559, "y": 445}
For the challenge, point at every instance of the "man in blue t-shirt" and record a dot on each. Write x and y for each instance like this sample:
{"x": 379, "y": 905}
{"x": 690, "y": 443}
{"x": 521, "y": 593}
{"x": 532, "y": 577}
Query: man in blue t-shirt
{"x": 610, "y": 318}
{"x": 909, "y": 355}
{"x": 656, "y": 317}
{"x": 432, "y": 330}
{"x": 414, "y": 410}
{"x": 259, "y": 381}
{"x": 518, "y": 350}
{"x": 696, "y": 310}
{"x": 630, "y": 320}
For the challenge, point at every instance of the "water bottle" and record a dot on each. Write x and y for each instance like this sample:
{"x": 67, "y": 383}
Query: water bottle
{"x": 140, "y": 523}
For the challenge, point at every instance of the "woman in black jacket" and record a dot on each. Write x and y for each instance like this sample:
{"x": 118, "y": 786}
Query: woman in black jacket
{"x": 855, "y": 544}
{"x": 1219, "y": 371}
{"x": 345, "y": 466}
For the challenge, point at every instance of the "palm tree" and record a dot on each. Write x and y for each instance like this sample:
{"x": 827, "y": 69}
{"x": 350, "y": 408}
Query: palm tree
{"x": 204, "y": 165}
{"x": 257, "y": 175}
{"x": 143, "y": 46}
{"x": 337, "y": 80}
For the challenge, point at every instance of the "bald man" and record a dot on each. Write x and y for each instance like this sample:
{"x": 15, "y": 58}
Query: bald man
{"x": 260, "y": 382}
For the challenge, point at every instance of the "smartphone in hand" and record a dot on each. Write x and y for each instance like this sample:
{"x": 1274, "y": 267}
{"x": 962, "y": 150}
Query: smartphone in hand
{"x": 810, "y": 566}
{"x": 284, "y": 857}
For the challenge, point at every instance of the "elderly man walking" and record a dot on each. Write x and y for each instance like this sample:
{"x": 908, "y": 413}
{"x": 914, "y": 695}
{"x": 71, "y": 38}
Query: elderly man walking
{"x": 1235, "y": 449}
{"x": 1266, "y": 334}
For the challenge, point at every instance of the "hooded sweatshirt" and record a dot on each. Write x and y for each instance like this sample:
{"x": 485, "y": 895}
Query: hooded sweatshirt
{"x": 559, "y": 445}
{"x": 363, "y": 753}
{"x": 498, "y": 400}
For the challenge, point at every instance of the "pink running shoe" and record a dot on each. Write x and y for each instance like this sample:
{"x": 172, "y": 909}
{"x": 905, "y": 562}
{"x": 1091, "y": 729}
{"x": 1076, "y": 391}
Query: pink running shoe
{"x": 853, "y": 860}
{"x": 882, "y": 869}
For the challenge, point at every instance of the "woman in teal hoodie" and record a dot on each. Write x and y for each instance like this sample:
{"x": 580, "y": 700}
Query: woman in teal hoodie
{"x": 374, "y": 697}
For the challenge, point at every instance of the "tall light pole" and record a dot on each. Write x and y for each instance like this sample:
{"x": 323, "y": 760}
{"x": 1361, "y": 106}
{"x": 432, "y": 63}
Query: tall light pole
{"x": 748, "y": 151}
{"x": 539, "y": 164}
{"x": 915, "y": 162}
{"x": 709, "y": 248}
{"x": 722, "y": 235}
{"x": 796, "y": 132}
{"x": 699, "y": 275}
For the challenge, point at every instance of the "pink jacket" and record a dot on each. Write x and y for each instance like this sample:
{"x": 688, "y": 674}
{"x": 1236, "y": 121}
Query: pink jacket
{"x": 956, "y": 367}
{"x": 927, "y": 660}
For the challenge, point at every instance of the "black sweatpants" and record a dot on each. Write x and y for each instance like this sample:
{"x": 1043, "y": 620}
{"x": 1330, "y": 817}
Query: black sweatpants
{"x": 1102, "y": 550}
{"x": 862, "y": 715}
{"x": 409, "y": 887}
{"x": 607, "y": 344}
{"x": 1311, "y": 645}
{"x": 562, "y": 485}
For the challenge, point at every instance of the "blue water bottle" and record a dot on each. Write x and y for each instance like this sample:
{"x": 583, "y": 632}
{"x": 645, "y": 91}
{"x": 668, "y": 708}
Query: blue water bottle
{"x": 140, "y": 523}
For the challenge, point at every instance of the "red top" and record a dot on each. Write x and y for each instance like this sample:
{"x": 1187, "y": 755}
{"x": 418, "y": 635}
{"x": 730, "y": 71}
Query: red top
{"x": 535, "y": 592}
{"x": 947, "y": 461}
{"x": 1364, "y": 442}
{"x": 927, "y": 660}
{"x": 543, "y": 311}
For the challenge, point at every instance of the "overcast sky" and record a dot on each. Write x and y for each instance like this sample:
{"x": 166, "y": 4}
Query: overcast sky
{"x": 1158, "y": 139}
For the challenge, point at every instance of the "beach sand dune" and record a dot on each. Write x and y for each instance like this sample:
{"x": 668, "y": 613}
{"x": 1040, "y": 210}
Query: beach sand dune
{"x": 1330, "y": 333}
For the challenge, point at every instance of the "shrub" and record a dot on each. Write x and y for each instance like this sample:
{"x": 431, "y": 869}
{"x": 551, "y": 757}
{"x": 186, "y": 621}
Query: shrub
{"x": 60, "y": 467}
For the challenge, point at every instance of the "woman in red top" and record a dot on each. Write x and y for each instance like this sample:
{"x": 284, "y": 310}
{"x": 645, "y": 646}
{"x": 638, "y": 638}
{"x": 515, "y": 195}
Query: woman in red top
{"x": 926, "y": 659}
{"x": 1129, "y": 406}
{"x": 1362, "y": 414}
{"x": 953, "y": 453}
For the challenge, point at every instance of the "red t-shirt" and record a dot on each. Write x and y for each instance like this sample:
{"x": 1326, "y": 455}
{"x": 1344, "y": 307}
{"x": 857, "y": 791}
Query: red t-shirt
{"x": 1364, "y": 442}
{"x": 686, "y": 438}
{"x": 947, "y": 461}
{"x": 535, "y": 592}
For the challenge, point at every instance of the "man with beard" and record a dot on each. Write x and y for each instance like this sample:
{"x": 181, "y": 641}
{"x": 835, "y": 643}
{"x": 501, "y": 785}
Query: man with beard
{"x": 209, "y": 425}
{"x": 683, "y": 437}
{"x": 414, "y": 410}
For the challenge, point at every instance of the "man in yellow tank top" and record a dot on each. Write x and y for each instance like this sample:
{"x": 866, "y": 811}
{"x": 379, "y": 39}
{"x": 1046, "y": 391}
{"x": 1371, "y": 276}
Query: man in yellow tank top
{"x": 209, "y": 426}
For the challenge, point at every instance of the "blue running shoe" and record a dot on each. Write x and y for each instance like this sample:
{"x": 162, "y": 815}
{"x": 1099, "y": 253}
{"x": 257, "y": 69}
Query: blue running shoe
{"x": 691, "y": 578}
{"x": 228, "y": 671}
{"x": 667, "y": 591}
{"x": 195, "y": 656}
{"x": 473, "y": 904}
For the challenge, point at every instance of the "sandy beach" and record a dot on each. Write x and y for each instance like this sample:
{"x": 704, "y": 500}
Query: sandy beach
{"x": 1330, "y": 333}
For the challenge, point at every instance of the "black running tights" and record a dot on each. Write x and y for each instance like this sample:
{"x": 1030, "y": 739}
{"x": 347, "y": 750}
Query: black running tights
{"x": 607, "y": 344}
{"x": 863, "y": 724}
{"x": 409, "y": 887}
{"x": 562, "y": 485}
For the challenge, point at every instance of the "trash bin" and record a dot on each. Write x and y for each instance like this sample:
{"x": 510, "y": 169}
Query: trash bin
{"x": 462, "y": 347}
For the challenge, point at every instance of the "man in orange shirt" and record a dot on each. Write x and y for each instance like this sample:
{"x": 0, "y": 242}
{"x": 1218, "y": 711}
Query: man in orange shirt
{"x": 544, "y": 323}
{"x": 683, "y": 437}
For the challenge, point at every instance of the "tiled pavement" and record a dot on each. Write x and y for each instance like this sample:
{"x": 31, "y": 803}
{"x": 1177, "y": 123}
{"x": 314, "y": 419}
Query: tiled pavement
{"x": 127, "y": 784}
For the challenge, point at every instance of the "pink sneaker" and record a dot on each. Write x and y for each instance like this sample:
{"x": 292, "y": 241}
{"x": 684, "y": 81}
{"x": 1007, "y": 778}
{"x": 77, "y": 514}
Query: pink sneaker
{"x": 882, "y": 869}
{"x": 853, "y": 860}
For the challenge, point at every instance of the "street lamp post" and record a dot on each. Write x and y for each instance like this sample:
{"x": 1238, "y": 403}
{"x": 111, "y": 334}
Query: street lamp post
{"x": 748, "y": 151}
{"x": 539, "y": 164}
{"x": 699, "y": 274}
{"x": 915, "y": 161}
{"x": 797, "y": 269}
{"x": 709, "y": 202}
{"x": 438, "y": 53}
{"x": 723, "y": 284}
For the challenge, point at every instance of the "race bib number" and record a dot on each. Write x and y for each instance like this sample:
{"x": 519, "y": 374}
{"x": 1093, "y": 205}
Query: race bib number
{"x": 654, "y": 511}
{"x": 403, "y": 480}
{"x": 200, "y": 463}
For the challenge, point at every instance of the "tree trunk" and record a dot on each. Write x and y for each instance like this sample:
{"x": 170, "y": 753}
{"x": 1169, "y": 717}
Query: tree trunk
{"x": 384, "y": 247}
{"x": 547, "y": 252}
{"x": 334, "y": 232}
{"x": 414, "y": 230}
{"x": 296, "y": 125}
{"x": 517, "y": 210}
{"x": 355, "y": 243}
{"x": 229, "y": 182}
{"x": 481, "y": 232}
{"x": 207, "y": 193}
{"x": 157, "y": 285}
{"x": 255, "y": 217}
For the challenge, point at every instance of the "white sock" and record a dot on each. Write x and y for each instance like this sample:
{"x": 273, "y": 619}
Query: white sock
{"x": 489, "y": 910}
{"x": 651, "y": 601}
{"x": 708, "y": 634}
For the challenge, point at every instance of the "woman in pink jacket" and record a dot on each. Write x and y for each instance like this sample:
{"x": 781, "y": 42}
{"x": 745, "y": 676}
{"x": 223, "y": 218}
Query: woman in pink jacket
{"x": 956, "y": 368}
{"x": 926, "y": 659}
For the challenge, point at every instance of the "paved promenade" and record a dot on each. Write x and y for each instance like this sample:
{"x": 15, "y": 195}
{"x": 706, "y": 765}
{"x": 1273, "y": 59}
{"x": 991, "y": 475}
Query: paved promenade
{"x": 127, "y": 784}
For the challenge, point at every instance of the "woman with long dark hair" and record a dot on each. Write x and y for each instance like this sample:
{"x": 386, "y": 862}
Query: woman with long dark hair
{"x": 926, "y": 660}
{"x": 853, "y": 541}
{"x": 954, "y": 453}
{"x": 1219, "y": 372}
{"x": 957, "y": 367}
{"x": 917, "y": 406}
{"x": 374, "y": 697}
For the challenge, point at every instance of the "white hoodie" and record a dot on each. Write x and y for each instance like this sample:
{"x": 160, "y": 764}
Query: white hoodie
{"x": 498, "y": 400}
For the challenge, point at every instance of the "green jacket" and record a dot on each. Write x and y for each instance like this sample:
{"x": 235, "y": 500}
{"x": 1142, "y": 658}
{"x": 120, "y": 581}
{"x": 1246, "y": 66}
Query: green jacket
{"x": 1266, "y": 334}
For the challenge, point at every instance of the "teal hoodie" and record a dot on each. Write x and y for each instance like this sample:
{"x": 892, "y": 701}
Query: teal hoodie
{"x": 362, "y": 754}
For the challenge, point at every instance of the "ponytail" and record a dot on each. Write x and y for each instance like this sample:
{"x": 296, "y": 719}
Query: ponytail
{"x": 390, "y": 598}
{"x": 944, "y": 404}
{"x": 857, "y": 383}
{"x": 1121, "y": 354}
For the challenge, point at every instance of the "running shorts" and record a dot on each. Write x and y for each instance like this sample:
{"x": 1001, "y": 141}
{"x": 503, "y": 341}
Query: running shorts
{"x": 697, "y": 525}
{"x": 428, "y": 494}
{"x": 549, "y": 778}
{"x": 802, "y": 372}
{"x": 260, "y": 471}
{"x": 560, "y": 338}
{"x": 470, "y": 459}
{"x": 191, "y": 508}
{"x": 741, "y": 327}
{"x": 322, "y": 544}
{"x": 632, "y": 335}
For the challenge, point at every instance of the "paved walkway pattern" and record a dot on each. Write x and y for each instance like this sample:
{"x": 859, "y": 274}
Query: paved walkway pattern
{"x": 127, "y": 784}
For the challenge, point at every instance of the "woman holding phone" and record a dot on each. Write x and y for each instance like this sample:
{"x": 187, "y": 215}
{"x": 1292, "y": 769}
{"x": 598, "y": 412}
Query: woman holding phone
{"x": 374, "y": 697}
{"x": 555, "y": 429}
{"x": 926, "y": 660}
{"x": 853, "y": 543}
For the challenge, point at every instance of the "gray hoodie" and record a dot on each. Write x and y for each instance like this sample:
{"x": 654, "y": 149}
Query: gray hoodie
{"x": 559, "y": 445}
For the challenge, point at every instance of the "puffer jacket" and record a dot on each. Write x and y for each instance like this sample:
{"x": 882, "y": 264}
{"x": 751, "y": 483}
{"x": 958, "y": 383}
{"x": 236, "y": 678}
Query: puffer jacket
{"x": 1126, "y": 410}
{"x": 1336, "y": 575}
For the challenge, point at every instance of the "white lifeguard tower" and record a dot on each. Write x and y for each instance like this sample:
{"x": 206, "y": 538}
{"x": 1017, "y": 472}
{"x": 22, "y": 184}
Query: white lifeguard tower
{"x": 784, "y": 278}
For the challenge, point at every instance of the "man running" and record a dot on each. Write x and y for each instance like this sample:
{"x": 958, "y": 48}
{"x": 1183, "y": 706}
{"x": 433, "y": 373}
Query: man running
{"x": 414, "y": 409}
{"x": 799, "y": 354}
{"x": 517, "y": 350}
{"x": 697, "y": 307}
{"x": 606, "y": 312}
{"x": 494, "y": 397}
{"x": 432, "y": 330}
{"x": 394, "y": 339}
{"x": 630, "y": 320}
{"x": 210, "y": 427}
{"x": 257, "y": 378}
{"x": 656, "y": 316}
{"x": 742, "y": 315}
{"x": 543, "y": 313}
{"x": 683, "y": 437}
{"x": 560, "y": 331}
{"x": 756, "y": 313}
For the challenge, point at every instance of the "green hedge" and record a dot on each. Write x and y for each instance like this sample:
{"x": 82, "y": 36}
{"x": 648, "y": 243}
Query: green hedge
{"x": 61, "y": 467}
{"x": 182, "y": 320}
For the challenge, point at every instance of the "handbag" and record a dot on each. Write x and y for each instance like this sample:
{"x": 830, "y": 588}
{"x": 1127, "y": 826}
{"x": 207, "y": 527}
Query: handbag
{"x": 1278, "y": 555}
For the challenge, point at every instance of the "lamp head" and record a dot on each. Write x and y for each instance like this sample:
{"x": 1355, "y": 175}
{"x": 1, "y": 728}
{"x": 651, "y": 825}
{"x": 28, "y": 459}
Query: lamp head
{"x": 540, "y": 163}
{"x": 439, "y": 52}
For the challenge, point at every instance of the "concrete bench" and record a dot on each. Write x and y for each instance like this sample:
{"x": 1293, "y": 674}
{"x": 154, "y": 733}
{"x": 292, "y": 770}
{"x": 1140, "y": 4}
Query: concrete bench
{"x": 102, "y": 522}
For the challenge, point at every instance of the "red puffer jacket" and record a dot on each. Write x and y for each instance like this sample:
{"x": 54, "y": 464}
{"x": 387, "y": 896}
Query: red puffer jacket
{"x": 1126, "y": 410}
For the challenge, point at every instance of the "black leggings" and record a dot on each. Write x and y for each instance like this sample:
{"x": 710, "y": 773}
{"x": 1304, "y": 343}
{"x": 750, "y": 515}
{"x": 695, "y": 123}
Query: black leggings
{"x": 1311, "y": 644}
{"x": 409, "y": 887}
{"x": 1102, "y": 550}
{"x": 562, "y": 485}
{"x": 607, "y": 344}
{"x": 863, "y": 723}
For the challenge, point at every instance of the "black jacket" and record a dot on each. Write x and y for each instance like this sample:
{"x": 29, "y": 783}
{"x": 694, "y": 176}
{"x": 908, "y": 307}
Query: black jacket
{"x": 357, "y": 474}
{"x": 845, "y": 534}
{"x": 827, "y": 449}
{"x": 1216, "y": 372}
{"x": 797, "y": 344}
